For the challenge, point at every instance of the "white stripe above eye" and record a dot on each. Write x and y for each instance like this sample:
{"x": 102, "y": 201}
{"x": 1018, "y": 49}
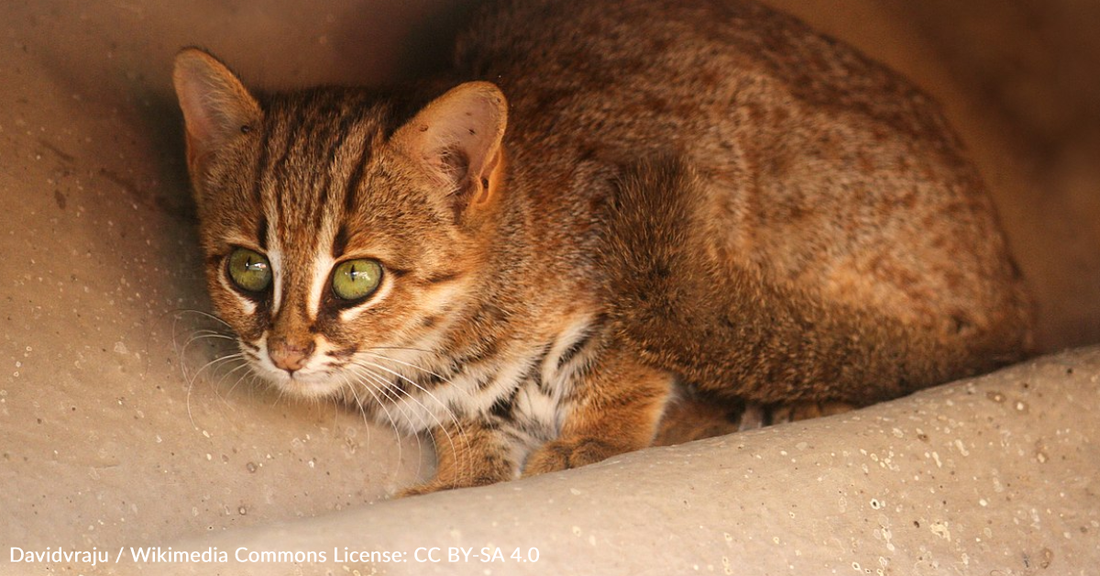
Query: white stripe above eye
{"x": 275, "y": 259}
{"x": 322, "y": 266}
{"x": 274, "y": 251}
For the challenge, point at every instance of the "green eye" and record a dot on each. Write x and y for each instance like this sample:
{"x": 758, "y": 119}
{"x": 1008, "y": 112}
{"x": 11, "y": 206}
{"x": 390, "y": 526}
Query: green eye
{"x": 249, "y": 270}
{"x": 356, "y": 279}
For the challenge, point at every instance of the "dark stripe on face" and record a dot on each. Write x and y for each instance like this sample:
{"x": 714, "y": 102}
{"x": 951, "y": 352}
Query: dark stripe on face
{"x": 291, "y": 129}
{"x": 295, "y": 138}
{"x": 348, "y": 117}
{"x": 340, "y": 243}
{"x": 397, "y": 272}
{"x": 336, "y": 140}
{"x": 352, "y": 186}
{"x": 343, "y": 353}
{"x": 261, "y": 233}
{"x": 447, "y": 276}
{"x": 261, "y": 167}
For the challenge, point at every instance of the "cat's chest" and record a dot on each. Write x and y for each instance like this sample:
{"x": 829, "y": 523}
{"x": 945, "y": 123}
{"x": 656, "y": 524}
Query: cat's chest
{"x": 540, "y": 402}
{"x": 527, "y": 385}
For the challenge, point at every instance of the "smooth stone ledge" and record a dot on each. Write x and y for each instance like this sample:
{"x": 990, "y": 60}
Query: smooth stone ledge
{"x": 993, "y": 476}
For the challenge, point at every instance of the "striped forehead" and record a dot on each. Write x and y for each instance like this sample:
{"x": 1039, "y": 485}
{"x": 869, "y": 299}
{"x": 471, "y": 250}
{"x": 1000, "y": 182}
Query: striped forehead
{"x": 314, "y": 151}
{"x": 313, "y": 154}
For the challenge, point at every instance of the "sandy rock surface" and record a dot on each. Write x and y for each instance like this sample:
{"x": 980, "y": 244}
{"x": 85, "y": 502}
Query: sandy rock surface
{"x": 995, "y": 475}
{"x": 123, "y": 424}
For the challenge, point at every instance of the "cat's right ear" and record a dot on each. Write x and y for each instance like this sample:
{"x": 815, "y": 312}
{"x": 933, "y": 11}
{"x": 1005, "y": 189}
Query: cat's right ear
{"x": 457, "y": 139}
{"x": 216, "y": 106}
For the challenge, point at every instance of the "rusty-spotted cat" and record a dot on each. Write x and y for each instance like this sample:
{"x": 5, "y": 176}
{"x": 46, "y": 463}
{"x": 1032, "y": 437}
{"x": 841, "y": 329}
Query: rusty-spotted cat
{"x": 598, "y": 206}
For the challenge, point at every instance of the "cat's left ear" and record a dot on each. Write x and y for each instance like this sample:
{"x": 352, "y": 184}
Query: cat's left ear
{"x": 458, "y": 139}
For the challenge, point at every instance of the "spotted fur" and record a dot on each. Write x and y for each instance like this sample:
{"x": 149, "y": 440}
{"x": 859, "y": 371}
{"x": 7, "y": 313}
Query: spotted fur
{"x": 655, "y": 202}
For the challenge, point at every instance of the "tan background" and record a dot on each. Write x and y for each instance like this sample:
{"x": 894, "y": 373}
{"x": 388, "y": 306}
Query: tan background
{"x": 103, "y": 439}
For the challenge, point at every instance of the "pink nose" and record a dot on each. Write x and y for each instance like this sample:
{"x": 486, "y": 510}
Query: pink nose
{"x": 289, "y": 356}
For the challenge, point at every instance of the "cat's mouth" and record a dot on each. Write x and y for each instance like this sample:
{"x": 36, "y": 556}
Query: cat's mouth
{"x": 300, "y": 383}
{"x": 309, "y": 376}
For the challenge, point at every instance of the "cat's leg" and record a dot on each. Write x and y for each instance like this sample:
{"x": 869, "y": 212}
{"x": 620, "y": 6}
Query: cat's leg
{"x": 617, "y": 409}
{"x": 688, "y": 418}
{"x": 471, "y": 453}
{"x": 759, "y": 415}
{"x": 795, "y": 411}
{"x": 753, "y": 417}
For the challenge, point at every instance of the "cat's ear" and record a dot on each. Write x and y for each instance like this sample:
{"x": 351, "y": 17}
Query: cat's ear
{"x": 216, "y": 106}
{"x": 457, "y": 137}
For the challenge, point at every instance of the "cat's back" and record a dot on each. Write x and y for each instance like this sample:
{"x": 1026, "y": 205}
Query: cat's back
{"x": 674, "y": 61}
{"x": 819, "y": 164}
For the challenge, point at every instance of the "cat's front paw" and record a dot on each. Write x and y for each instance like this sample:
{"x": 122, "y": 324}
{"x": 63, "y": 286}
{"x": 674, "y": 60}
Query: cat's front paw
{"x": 420, "y": 489}
{"x": 566, "y": 454}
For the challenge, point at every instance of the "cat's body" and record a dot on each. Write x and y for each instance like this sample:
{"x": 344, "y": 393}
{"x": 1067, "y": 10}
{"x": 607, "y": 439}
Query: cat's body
{"x": 704, "y": 192}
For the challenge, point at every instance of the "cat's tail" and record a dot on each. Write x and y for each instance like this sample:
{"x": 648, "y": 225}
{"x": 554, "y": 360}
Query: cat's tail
{"x": 735, "y": 332}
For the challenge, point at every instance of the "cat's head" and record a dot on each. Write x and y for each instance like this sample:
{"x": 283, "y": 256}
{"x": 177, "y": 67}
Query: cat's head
{"x": 337, "y": 234}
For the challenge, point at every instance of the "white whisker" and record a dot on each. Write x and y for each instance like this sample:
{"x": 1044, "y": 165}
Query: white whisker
{"x": 393, "y": 423}
{"x": 191, "y": 381}
{"x": 385, "y": 388}
{"x": 414, "y": 367}
{"x": 247, "y": 373}
{"x": 200, "y": 313}
{"x": 408, "y": 380}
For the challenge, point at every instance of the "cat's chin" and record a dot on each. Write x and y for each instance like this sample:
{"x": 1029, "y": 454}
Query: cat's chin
{"x": 307, "y": 387}
{"x": 310, "y": 390}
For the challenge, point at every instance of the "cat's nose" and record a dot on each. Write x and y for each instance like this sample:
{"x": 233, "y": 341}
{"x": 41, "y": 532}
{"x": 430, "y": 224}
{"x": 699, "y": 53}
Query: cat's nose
{"x": 289, "y": 356}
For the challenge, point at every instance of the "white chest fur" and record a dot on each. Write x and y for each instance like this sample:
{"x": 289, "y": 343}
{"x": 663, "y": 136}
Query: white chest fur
{"x": 528, "y": 386}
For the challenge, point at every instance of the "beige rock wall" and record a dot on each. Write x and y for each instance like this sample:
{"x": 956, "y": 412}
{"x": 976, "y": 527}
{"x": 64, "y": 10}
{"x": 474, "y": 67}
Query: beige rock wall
{"x": 118, "y": 427}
